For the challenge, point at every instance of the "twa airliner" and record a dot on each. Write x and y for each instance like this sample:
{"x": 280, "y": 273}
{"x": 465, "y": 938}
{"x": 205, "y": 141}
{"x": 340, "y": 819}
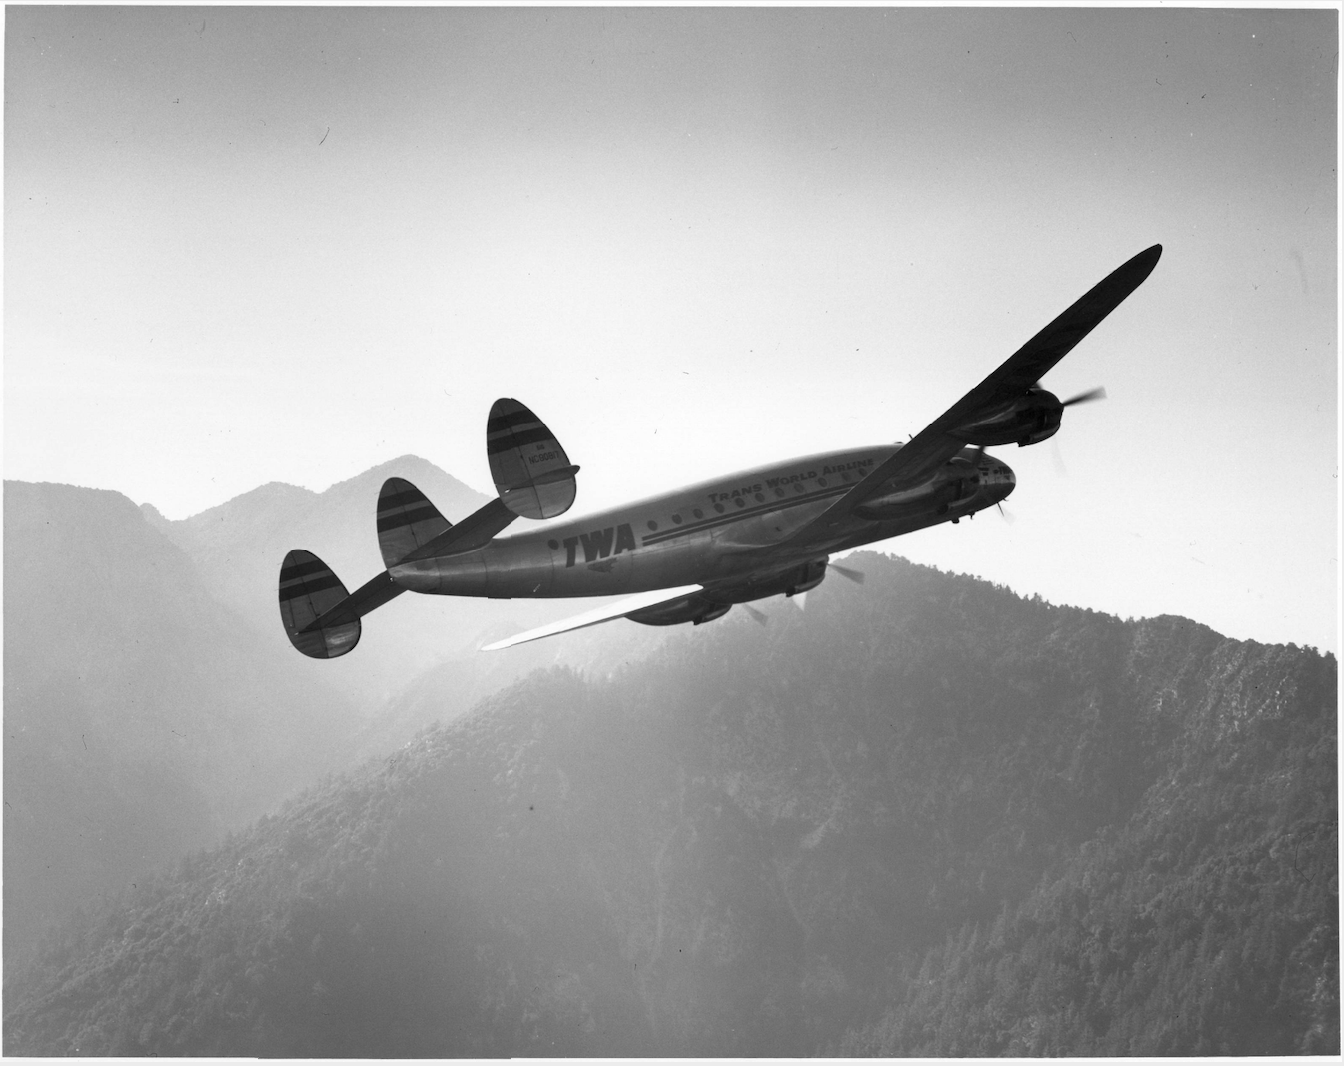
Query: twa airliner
{"x": 690, "y": 555}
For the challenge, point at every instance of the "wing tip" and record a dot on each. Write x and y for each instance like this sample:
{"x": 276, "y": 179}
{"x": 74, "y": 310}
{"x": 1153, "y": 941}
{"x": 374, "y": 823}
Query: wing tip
{"x": 1145, "y": 261}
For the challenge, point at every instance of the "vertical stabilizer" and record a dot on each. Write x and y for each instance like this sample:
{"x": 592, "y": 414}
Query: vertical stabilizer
{"x": 308, "y": 589}
{"x": 530, "y": 469}
{"x": 406, "y": 520}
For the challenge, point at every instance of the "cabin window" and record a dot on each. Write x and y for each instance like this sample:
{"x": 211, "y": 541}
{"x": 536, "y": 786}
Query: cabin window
{"x": 719, "y": 507}
{"x": 740, "y": 502}
{"x": 779, "y": 491}
{"x": 554, "y": 545}
{"x": 698, "y": 513}
{"x": 760, "y": 498}
{"x": 821, "y": 481}
{"x": 653, "y": 524}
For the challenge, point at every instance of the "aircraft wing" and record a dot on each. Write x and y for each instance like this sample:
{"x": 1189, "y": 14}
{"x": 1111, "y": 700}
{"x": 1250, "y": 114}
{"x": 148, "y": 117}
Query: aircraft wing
{"x": 605, "y": 613}
{"x": 938, "y": 442}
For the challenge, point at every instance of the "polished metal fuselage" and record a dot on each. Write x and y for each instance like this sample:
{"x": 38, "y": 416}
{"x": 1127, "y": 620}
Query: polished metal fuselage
{"x": 711, "y": 533}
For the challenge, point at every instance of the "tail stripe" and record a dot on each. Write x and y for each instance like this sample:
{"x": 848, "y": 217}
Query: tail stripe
{"x": 400, "y": 499}
{"x": 516, "y": 418}
{"x": 298, "y": 570}
{"x": 309, "y": 587}
{"x": 406, "y": 518}
{"x": 517, "y": 438}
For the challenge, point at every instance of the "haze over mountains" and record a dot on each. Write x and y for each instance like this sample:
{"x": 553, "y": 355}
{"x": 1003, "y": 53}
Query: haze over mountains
{"x": 926, "y": 816}
{"x": 141, "y": 716}
{"x": 152, "y": 701}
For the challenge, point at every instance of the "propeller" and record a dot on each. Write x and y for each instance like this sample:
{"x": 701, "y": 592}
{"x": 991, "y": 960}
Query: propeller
{"x": 1057, "y": 457}
{"x": 1005, "y": 514}
{"x": 759, "y": 616}
{"x": 854, "y": 575}
{"x": 1089, "y": 396}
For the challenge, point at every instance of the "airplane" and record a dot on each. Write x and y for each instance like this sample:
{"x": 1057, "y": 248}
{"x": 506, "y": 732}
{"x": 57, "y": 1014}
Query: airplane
{"x": 692, "y": 554}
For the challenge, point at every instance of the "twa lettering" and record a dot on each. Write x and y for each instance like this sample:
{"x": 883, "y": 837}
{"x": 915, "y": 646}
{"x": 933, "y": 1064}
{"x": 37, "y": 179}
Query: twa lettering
{"x": 598, "y": 544}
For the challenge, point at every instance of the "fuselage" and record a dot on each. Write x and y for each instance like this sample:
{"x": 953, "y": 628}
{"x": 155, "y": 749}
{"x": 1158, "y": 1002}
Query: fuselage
{"x": 712, "y": 533}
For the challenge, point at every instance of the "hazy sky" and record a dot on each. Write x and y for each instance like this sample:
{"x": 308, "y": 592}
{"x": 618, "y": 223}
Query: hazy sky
{"x": 250, "y": 244}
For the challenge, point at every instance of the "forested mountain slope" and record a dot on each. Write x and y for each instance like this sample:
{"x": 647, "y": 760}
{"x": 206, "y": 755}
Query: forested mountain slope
{"x": 926, "y": 816}
{"x": 142, "y": 716}
{"x": 152, "y": 700}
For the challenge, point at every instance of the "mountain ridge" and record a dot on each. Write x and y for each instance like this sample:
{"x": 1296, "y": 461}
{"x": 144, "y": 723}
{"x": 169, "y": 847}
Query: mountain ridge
{"x": 135, "y": 704}
{"x": 869, "y": 828}
{"x": 146, "y": 713}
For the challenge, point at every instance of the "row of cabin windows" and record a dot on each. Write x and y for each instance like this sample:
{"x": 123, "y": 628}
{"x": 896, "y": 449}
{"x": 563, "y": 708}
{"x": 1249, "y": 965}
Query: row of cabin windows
{"x": 740, "y": 502}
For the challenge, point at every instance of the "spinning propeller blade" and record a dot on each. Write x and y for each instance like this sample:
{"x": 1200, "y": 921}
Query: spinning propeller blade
{"x": 854, "y": 575}
{"x": 1098, "y": 393}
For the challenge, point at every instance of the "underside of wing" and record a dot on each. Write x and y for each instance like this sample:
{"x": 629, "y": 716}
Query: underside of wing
{"x": 640, "y": 602}
{"x": 990, "y": 408}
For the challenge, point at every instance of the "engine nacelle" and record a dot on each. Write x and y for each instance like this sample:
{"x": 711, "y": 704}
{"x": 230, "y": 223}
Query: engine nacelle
{"x": 958, "y": 480}
{"x": 706, "y": 606}
{"x": 694, "y": 609}
{"x": 795, "y": 579}
{"x": 1029, "y": 419}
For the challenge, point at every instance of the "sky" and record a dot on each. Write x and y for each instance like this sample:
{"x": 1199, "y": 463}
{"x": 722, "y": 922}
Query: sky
{"x": 255, "y": 244}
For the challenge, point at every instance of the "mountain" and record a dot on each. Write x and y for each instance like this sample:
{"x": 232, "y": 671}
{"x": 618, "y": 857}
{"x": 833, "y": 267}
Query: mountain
{"x": 927, "y": 816}
{"x": 152, "y": 701}
{"x": 238, "y": 546}
{"x": 142, "y": 716}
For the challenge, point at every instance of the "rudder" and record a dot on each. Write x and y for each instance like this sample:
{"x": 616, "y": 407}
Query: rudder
{"x": 308, "y": 589}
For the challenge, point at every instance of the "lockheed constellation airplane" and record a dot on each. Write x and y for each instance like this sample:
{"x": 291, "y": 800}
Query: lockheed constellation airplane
{"x": 690, "y": 555}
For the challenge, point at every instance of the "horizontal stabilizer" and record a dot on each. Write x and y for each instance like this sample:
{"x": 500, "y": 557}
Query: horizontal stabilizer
{"x": 309, "y": 589}
{"x": 531, "y": 471}
{"x": 373, "y": 593}
{"x": 406, "y": 520}
{"x": 606, "y": 613}
{"x": 474, "y": 531}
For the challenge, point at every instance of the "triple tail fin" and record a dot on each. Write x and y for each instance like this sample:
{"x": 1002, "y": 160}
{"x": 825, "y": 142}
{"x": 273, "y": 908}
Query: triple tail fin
{"x": 308, "y": 589}
{"x": 406, "y": 520}
{"x": 534, "y": 477}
